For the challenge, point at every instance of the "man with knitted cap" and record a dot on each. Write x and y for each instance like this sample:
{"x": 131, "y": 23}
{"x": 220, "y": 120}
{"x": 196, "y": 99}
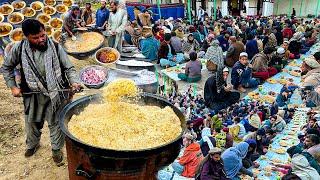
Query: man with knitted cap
{"x": 241, "y": 75}
{"x": 311, "y": 72}
{"x": 191, "y": 157}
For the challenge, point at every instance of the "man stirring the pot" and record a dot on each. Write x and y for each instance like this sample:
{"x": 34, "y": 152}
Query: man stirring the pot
{"x": 45, "y": 73}
{"x": 72, "y": 21}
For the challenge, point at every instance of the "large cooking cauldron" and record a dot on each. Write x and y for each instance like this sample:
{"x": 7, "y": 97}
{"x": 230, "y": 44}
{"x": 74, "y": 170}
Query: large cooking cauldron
{"x": 89, "y": 162}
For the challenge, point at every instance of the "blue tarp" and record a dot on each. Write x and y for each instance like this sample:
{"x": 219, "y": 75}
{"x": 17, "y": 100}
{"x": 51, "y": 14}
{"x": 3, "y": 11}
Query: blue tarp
{"x": 166, "y": 12}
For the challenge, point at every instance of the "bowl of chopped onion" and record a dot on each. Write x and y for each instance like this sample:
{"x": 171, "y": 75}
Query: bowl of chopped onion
{"x": 107, "y": 56}
{"x": 93, "y": 76}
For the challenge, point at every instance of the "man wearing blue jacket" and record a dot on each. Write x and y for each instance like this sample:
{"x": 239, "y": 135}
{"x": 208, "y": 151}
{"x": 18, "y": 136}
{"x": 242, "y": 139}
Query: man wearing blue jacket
{"x": 241, "y": 75}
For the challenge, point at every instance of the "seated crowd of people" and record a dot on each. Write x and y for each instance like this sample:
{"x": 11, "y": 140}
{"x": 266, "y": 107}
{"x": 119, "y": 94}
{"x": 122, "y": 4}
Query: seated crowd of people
{"x": 226, "y": 134}
{"x": 266, "y": 44}
{"x": 225, "y": 144}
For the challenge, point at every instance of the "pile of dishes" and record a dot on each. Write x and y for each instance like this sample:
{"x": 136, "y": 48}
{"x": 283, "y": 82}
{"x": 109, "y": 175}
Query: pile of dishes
{"x": 46, "y": 11}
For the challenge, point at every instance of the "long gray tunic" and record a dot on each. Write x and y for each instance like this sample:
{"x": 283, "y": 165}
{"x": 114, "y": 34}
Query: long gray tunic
{"x": 37, "y": 106}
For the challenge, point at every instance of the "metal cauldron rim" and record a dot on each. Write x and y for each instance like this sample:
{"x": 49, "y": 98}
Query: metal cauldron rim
{"x": 117, "y": 153}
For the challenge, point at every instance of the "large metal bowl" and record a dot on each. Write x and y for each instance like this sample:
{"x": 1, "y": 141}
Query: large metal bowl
{"x": 94, "y": 86}
{"x": 98, "y": 163}
{"x": 84, "y": 54}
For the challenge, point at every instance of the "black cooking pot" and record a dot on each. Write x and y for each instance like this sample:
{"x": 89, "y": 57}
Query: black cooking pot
{"x": 89, "y": 162}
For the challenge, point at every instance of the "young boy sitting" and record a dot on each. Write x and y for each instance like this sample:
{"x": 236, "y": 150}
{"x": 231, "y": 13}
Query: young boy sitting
{"x": 241, "y": 75}
{"x": 192, "y": 69}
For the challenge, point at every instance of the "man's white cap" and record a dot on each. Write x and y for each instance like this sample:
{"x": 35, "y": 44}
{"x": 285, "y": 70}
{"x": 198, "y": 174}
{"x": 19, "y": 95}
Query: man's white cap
{"x": 225, "y": 69}
{"x": 166, "y": 30}
{"x": 311, "y": 62}
{"x": 281, "y": 50}
{"x": 243, "y": 54}
{"x": 170, "y": 19}
{"x": 103, "y": 1}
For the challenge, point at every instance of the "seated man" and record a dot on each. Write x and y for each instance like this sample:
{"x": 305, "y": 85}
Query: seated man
{"x": 192, "y": 69}
{"x": 241, "y": 75}
{"x": 294, "y": 48}
{"x": 217, "y": 93}
{"x": 237, "y": 130}
{"x": 190, "y": 159}
{"x": 260, "y": 64}
{"x": 313, "y": 98}
{"x": 176, "y": 42}
{"x": 310, "y": 72}
{"x": 285, "y": 46}
{"x": 190, "y": 45}
{"x": 278, "y": 60}
{"x": 149, "y": 47}
{"x": 167, "y": 55}
{"x": 307, "y": 43}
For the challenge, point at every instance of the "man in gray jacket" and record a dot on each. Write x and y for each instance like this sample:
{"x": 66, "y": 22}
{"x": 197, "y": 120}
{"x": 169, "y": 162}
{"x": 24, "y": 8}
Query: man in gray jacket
{"x": 45, "y": 73}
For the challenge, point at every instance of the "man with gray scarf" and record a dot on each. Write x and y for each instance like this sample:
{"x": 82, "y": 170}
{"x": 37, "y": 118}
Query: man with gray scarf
{"x": 45, "y": 72}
